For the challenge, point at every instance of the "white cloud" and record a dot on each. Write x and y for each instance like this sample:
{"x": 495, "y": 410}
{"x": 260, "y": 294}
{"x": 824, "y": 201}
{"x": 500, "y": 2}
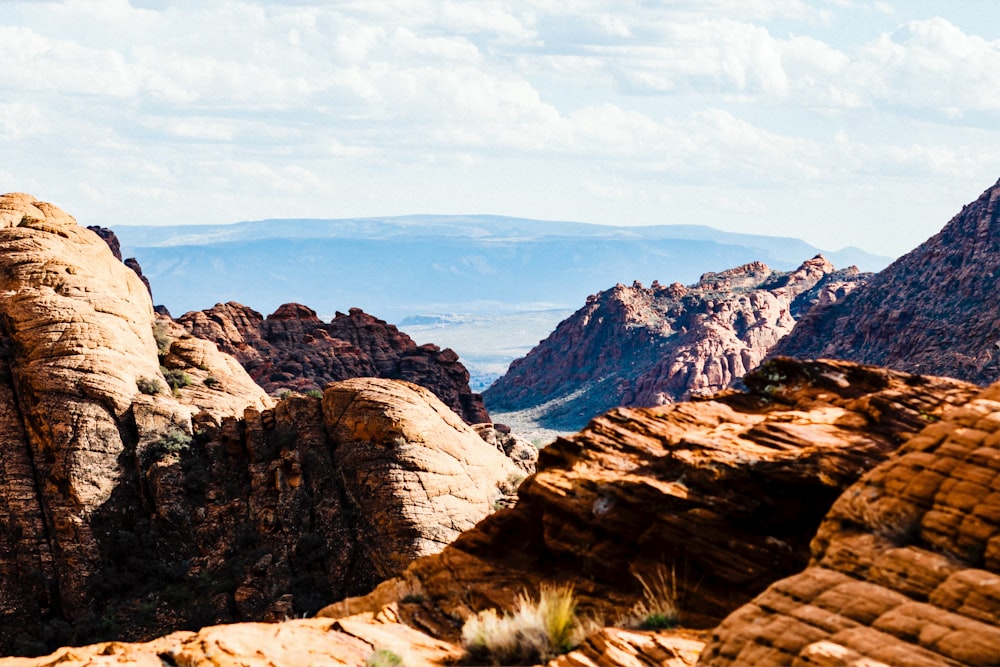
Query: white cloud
{"x": 238, "y": 103}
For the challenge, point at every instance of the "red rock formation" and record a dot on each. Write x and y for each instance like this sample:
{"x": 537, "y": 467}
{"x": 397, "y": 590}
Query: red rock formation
{"x": 726, "y": 494}
{"x": 146, "y": 483}
{"x": 293, "y": 349}
{"x": 905, "y": 569}
{"x": 932, "y": 311}
{"x": 641, "y": 347}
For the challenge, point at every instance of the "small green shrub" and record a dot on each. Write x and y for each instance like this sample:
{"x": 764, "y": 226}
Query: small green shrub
{"x": 173, "y": 442}
{"x": 537, "y": 631}
{"x": 175, "y": 378}
{"x": 284, "y": 393}
{"x": 149, "y": 386}
{"x": 315, "y": 393}
{"x": 384, "y": 658}
{"x": 212, "y": 382}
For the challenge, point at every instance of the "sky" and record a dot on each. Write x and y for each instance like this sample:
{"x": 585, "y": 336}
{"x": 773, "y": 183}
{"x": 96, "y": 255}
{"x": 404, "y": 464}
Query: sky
{"x": 840, "y": 122}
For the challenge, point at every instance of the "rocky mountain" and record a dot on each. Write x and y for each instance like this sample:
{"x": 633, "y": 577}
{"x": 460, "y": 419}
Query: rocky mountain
{"x": 931, "y": 311}
{"x": 639, "y": 346}
{"x": 725, "y": 494}
{"x": 401, "y": 266}
{"x": 147, "y": 483}
{"x": 293, "y": 349}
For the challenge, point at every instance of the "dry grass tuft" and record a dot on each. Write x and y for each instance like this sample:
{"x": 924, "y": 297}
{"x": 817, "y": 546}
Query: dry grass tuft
{"x": 537, "y": 631}
{"x": 658, "y": 608}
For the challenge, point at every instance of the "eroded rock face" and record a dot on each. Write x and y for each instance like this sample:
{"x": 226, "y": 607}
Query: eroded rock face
{"x": 905, "y": 569}
{"x": 934, "y": 310}
{"x": 724, "y": 494}
{"x": 293, "y": 349}
{"x": 77, "y": 328}
{"x": 637, "y": 346}
{"x": 148, "y": 484}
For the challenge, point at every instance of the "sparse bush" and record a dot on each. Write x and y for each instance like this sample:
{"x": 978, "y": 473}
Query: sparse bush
{"x": 149, "y": 386}
{"x": 315, "y": 393}
{"x": 212, "y": 382}
{"x": 658, "y": 608}
{"x": 175, "y": 378}
{"x": 537, "y": 631}
{"x": 384, "y": 658}
{"x": 173, "y": 442}
{"x": 161, "y": 337}
{"x": 284, "y": 393}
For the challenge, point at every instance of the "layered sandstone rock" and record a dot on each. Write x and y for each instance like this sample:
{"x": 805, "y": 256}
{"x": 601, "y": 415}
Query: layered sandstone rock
{"x": 77, "y": 330}
{"x": 905, "y": 569}
{"x": 637, "y": 346}
{"x": 293, "y": 349}
{"x": 724, "y": 495}
{"x": 932, "y": 311}
{"x": 294, "y": 642}
{"x": 147, "y": 483}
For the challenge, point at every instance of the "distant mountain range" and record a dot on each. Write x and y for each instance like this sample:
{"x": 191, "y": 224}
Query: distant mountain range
{"x": 403, "y": 266}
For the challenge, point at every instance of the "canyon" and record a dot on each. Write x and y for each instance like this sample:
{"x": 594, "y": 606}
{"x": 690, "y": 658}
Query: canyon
{"x": 152, "y": 494}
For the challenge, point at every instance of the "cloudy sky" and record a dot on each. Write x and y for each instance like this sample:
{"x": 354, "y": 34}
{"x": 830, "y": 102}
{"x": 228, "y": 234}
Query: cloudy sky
{"x": 842, "y": 122}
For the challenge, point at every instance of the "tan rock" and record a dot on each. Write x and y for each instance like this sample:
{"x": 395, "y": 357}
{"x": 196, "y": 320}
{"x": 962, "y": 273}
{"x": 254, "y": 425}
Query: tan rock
{"x": 903, "y": 569}
{"x": 297, "y": 642}
{"x": 418, "y": 473}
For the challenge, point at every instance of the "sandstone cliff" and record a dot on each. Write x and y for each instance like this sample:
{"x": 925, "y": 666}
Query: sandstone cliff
{"x": 933, "y": 310}
{"x": 905, "y": 569}
{"x": 147, "y": 483}
{"x": 637, "y": 346}
{"x": 726, "y": 493}
{"x": 293, "y": 349}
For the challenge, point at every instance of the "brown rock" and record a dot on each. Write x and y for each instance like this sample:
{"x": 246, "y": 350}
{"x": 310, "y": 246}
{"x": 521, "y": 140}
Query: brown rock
{"x": 109, "y": 237}
{"x": 128, "y": 508}
{"x": 634, "y": 346}
{"x": 932, "y": 311}
{"x": 724, "y": 494}
{"x": 905, "y": 569}
{"x": 293, "y": 350}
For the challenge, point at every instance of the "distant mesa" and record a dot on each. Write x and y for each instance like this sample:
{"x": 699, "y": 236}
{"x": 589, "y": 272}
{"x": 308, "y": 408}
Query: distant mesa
{"x": 473, "y": 264}
{"x": 646, "y": 346}
{"x": 934, "y": 310}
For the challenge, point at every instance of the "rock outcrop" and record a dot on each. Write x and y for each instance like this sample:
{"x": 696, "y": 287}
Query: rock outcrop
{"x": 636, "y": 346}
{"x": 932, "y": 311}
{"x": 293, "y": 349}
{"x": 147, "y": 483}
{"x": 905, "y": 569}
{"x": 725, "y": 494}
